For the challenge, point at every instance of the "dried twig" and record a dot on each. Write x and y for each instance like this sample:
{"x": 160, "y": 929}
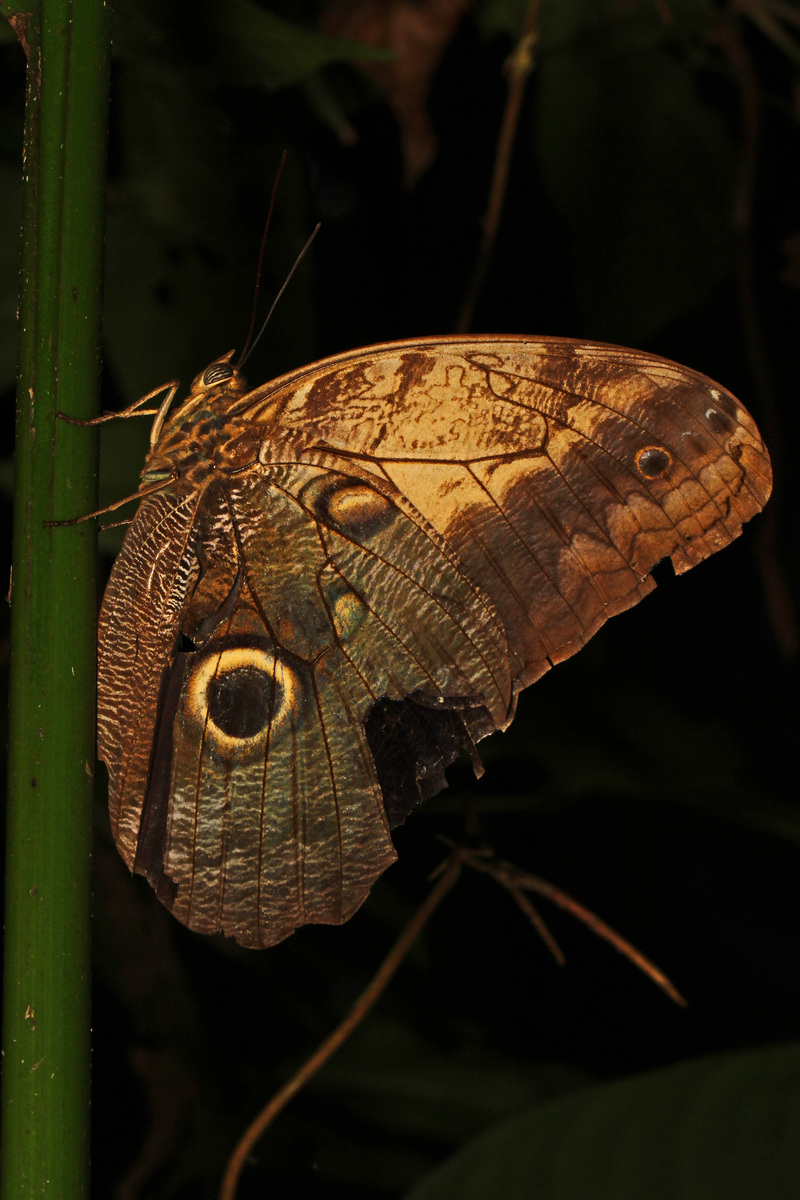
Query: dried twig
{"x": 517, "y": 882}
{"x": 449, "y": 872}
{"x": 777, "y": 596}
{"x": 519, "y": 66}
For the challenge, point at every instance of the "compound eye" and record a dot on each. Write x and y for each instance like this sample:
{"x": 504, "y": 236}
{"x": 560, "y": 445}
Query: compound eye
{"x": 217, "y": 373}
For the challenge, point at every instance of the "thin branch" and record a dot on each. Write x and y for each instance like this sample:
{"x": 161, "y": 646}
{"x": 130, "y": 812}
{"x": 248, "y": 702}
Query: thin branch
{"x": 450, "y": 871}
{"x": 519, "y": 66}
{"x": 515, "y": 880}
{"x": 776, "y": 592}
{"x": 759, "y": 14}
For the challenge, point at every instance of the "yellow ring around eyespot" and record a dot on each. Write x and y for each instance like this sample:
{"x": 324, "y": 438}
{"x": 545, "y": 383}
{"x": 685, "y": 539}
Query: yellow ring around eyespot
{"x": 658, "y": 455}
{"x": 235, "y": 659}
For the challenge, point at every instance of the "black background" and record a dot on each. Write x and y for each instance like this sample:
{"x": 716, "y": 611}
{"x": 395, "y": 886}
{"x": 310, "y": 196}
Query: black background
{"x": 650, "y": 776}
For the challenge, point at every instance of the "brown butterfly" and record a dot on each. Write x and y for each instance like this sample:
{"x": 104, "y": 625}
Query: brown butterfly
{"x": 339, "y": 580}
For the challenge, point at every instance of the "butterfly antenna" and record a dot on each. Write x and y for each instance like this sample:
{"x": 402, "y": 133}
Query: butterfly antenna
{"x": 267, "y": 224}
{"x": 249, "y": 350}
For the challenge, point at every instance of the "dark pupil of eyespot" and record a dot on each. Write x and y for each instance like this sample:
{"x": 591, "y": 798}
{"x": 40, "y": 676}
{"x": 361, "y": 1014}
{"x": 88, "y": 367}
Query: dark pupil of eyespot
{"x": 653, "y": 462}
{"x": 239, "y": 701}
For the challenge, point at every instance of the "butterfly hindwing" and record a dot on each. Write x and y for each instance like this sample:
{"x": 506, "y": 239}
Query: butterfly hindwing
{"x": 313, "y": 597}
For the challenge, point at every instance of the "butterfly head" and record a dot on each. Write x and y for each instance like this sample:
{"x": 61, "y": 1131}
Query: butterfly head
{"x": 217, "y": 375}
{"x": 213, "y": 392}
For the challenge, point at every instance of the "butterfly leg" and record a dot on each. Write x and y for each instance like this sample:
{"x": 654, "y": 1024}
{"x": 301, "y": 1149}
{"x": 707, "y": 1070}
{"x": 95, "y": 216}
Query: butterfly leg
{"x": 145, "y": 491}
{"x": 133, "y": 410}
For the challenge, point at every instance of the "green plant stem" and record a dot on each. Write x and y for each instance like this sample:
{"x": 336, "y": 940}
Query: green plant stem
{"x": 51, "y": 730}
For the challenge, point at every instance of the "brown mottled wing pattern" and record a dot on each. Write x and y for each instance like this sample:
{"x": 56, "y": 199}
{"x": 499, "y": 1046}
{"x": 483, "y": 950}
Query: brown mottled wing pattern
{"x": 390, "y": 544}
{"x": 559, "y": 472}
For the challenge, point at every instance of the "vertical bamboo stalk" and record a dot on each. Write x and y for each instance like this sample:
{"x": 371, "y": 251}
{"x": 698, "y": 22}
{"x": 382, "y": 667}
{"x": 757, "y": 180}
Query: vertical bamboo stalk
{"x": 46, "y": 1047}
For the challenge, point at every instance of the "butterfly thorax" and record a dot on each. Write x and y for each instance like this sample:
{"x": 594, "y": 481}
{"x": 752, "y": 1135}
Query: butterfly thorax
{"x": 203, "y": 437}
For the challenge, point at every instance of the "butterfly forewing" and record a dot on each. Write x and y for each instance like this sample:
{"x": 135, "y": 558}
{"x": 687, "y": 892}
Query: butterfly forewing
{"x": 350, "y": 573}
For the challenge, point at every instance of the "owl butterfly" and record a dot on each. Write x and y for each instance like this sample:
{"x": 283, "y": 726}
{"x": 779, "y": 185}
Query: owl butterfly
{"x": 341, "y": 579}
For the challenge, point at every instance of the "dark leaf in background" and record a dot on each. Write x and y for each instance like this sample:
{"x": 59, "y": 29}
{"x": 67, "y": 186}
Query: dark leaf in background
{"x": 640, "y": 165}
{"x": 723, "y": 1126}
{"x": 415, "y": 37}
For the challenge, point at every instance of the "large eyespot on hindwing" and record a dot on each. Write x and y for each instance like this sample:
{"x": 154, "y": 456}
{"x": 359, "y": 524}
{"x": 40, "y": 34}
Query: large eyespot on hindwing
{"x": 228, "y": 701}
{"x": 351, "y": 506}
{"x": 238, "y": 695}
